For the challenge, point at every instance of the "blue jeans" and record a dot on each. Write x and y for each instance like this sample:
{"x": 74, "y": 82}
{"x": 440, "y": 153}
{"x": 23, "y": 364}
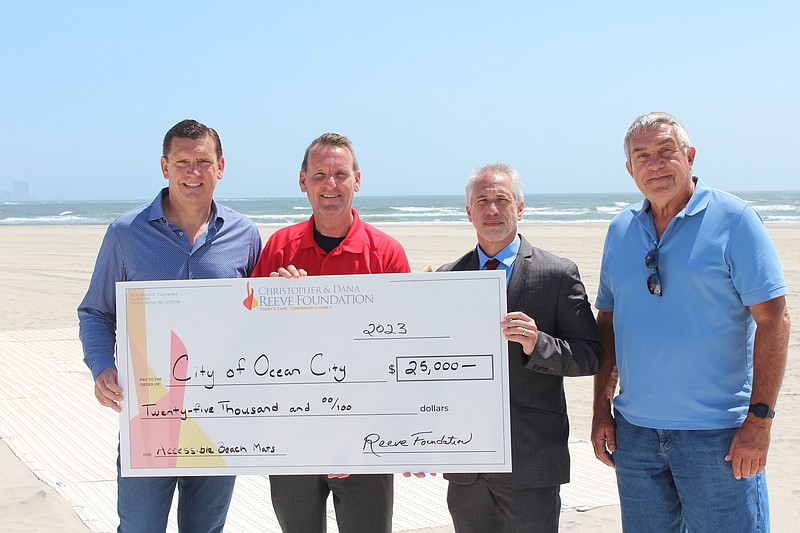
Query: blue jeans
{"x": 143, "y": 503}
{"x": 679, "y": 480}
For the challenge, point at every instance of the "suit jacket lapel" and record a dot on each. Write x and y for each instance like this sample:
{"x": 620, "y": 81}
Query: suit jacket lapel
{"x": 469, "y": 262}
{"x": 522, "y": 265}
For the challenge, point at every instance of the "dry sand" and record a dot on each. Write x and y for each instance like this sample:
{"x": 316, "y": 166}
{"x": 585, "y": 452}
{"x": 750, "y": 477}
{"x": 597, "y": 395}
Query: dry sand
{"x": 45, "y": 270}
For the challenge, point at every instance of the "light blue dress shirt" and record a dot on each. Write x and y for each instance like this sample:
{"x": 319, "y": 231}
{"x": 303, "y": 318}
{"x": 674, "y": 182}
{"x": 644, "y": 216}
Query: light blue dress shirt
{"x": 506, "y": 256}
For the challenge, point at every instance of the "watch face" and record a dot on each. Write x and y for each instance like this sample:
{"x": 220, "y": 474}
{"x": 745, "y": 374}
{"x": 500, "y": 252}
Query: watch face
{"x": 761, "y": 410}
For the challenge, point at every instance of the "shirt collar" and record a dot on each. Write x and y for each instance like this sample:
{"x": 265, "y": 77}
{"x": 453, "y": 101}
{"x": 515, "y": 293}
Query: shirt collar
{"x": 157, "y": 208}
{"x": 506, "y": 256}
{"x": 351, "y": 242}
{"x": 696, "y": 204}
{"x": 700, "y": 198}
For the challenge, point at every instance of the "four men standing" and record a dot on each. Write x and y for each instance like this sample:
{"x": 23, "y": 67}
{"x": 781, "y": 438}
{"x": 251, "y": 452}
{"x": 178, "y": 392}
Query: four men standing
{"x": 692, "y": 315}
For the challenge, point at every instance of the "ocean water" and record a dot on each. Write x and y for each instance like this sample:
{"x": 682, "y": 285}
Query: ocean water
{"x": 781, "y": 207}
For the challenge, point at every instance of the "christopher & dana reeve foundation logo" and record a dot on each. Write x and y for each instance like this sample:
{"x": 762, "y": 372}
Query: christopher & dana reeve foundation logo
{"x": 304, "y": 297}
{"x": 251, "y": 302}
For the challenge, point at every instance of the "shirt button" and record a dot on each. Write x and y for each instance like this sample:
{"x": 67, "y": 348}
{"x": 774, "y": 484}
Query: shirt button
{"x": 180, "y": 233}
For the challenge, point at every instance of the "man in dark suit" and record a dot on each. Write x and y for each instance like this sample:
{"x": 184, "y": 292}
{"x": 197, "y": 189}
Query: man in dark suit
{"x": 552, "y": 333}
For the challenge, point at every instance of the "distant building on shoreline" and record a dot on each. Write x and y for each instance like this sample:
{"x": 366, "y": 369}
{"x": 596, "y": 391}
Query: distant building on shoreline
{"x": 18, "y": 192}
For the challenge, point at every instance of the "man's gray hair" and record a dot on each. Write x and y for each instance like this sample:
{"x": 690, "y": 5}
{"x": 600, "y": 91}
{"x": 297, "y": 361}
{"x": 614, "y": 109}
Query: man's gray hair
{"x": 651, "y": 121}
{"x": 493, "y": 168}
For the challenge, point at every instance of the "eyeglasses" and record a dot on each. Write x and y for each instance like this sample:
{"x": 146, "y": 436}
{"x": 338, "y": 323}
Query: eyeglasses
{"x": 653, "y": 280}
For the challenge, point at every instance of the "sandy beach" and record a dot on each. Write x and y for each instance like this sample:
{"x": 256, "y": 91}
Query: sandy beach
{"x": 45, "y": 270}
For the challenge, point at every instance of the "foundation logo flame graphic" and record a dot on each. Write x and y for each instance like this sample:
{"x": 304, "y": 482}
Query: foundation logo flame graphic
{"x": 250, "y": 302}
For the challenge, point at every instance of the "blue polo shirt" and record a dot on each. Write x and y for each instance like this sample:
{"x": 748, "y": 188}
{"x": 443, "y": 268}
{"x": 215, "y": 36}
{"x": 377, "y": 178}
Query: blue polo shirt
{"x": 141, "y": 245}
{"x": 685, "y": 359}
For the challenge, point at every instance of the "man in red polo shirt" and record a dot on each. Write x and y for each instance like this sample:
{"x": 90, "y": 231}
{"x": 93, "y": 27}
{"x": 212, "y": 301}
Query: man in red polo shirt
{"x": 333, "y": 241}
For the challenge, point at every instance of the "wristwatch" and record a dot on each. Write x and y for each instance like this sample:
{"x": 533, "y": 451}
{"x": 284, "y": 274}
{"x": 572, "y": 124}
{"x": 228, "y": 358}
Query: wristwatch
{"x": 761, "y": 410}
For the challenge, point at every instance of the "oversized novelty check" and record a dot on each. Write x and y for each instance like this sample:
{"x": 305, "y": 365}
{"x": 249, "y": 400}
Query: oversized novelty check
{"x": 324, "y": 374}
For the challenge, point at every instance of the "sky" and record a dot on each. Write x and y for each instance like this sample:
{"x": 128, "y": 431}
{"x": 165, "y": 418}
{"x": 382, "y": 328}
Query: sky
{"x": 426, "y": 90}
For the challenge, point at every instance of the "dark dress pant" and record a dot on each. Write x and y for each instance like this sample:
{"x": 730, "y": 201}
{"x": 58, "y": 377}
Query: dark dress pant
{"x": 363, "y": 502}
{"x": 485, "y": 506}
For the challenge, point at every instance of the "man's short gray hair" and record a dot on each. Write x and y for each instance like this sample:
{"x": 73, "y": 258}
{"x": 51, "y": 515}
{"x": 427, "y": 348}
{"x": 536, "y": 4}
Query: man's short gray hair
{"x": 651, "y": 121}
{"x": 494, "y": 168}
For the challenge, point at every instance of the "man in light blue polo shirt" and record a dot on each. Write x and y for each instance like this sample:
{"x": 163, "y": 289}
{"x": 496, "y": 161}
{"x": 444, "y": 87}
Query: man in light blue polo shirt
{"x": 695, "y": 329}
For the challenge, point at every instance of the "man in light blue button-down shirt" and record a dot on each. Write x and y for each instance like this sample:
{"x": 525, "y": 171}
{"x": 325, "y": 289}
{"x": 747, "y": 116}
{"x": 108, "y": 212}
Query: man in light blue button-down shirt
{"x": 182, "y": 234}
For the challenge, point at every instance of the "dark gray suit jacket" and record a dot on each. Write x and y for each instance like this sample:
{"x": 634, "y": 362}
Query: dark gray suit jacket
{"x": 547, "y": 288}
